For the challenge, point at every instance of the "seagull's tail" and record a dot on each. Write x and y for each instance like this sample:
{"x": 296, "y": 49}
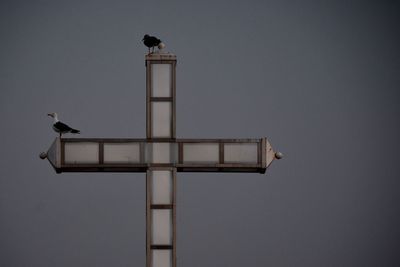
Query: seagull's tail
{"x": 75, "y": 131}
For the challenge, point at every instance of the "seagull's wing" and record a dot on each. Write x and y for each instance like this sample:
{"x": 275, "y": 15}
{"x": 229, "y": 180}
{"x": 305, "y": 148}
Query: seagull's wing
{"x": 156, "y": 41}
{"x": 62, "y": 127}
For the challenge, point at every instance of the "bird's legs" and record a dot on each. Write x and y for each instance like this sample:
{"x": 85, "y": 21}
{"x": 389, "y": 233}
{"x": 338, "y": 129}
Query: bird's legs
{"x": 60, "y": 135}
{"x": 152, "y": 50}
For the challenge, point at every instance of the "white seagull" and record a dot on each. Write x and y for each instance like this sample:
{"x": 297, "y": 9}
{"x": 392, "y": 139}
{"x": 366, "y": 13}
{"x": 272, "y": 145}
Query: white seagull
{"x": 60, "y": 127}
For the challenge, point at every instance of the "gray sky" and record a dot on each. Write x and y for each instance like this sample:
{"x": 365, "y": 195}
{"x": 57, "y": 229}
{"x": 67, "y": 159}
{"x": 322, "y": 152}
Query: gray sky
{"x": 320, "y": 80}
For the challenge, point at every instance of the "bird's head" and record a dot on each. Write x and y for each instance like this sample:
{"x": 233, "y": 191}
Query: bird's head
{"x": 53, "y": 115}
{"x": 161, "y": 45}
{"x": 145, "y": 37}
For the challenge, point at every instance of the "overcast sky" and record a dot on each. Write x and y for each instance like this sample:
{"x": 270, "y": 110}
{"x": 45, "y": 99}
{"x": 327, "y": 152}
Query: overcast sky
{"x": 320, "y": 80}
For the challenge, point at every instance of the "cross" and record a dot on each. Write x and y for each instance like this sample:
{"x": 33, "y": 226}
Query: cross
{"x": 161, "y": 155}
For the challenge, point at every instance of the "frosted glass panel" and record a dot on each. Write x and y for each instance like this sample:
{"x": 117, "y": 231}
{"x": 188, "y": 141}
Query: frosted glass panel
{"x": 241, "y": 153}
{"x": 161, "y": 119}
{"x": 202, "y": 153}
{"x": 161, "y": 80}
{"x": 161, "y": 258}
{"x": 161, "y": 187}
{"x": 161, "y": 227}
{"x": 161, "y": 152}
{"x": 81, "y": 153}
{"x": 122, "y": 153}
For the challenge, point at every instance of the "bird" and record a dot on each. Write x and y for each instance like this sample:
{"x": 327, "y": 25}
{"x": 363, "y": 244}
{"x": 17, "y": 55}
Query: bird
{"x": 60, "y": 127}
{"x": 151, "y": 42}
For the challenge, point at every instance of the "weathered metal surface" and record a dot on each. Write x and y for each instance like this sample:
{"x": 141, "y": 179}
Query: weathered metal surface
{"x": 160, "y": 151}
{"x": 154, "y": 241}
{"x": 158, "y": 58}
{"x": 171, "y": 155}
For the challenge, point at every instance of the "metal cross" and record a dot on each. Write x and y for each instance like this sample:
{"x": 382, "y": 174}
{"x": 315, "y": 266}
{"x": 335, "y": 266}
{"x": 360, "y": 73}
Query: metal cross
{"x": 160, "y": 156}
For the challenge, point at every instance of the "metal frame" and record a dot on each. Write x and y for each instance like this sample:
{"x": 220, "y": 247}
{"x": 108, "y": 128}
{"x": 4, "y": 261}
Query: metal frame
{"x": 160, "y": 59}
{"x": 149, "y": 207}
{"x": 265, "y": 155}
{"x": 181, "y": 166}
{"x": 150, "y": 60}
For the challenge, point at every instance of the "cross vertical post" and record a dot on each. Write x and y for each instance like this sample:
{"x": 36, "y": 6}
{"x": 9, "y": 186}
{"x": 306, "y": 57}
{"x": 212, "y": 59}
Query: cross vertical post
{"x": 161, "y": 172}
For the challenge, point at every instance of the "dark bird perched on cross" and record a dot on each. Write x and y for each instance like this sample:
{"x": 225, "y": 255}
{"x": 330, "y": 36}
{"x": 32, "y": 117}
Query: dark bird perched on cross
{"x": 151, "y": 42}
{"x": 60, "y": 127}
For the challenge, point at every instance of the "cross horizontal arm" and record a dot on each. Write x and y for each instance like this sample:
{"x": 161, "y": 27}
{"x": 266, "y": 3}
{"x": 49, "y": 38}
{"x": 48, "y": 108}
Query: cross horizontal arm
{"x": 137, "y": 155}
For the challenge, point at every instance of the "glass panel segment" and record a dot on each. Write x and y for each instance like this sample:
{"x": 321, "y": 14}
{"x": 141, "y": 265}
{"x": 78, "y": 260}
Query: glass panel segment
{"x": 161, "y": 258}
{"x": 161, "y": 187}
{"x": 161, "y": 227}
{"x": 201, "y": 153}
{"x": 81, "y": 153}
{"x": 161, "y": 80}
{"x": 161, "y": 119}
{"x": 122, "y": 153}
{"x": 161, "y": 152}
{"x": 241, "y": 153}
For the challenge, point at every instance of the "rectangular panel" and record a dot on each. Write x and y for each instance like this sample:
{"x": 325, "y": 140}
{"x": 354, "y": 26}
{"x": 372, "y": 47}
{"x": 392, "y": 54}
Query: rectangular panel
{"x": 241, "y": 153}
{"x": 161, "y": 114}
{"x": 200, "y": 152}
{"x": 161, "y": 80}
{"x": 161, "y": 152}
{"x": 161, "y": 182}
{"x": 81, "y": 153}
{"x": 161, "y": 258}
{"x": 122, "y": 153}
{"x": 161, "y": 227}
